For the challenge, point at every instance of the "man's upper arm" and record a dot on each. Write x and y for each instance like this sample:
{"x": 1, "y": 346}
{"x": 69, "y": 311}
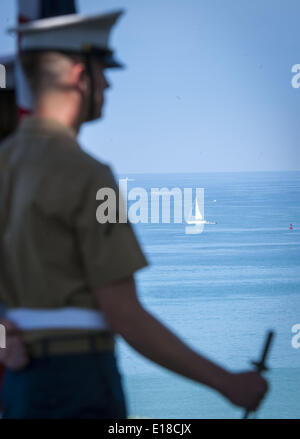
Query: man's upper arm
{"x": 119, "y": 303}
{"x": 109, "y": 252}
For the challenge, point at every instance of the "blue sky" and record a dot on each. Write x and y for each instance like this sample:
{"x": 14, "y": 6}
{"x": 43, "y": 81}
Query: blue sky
{"x": 207, "y": 86}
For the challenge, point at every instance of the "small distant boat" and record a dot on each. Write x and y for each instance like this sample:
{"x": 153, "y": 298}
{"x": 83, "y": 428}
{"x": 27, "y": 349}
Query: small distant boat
{"x": 198, "y": 219}
{"x": 291, "y": 227}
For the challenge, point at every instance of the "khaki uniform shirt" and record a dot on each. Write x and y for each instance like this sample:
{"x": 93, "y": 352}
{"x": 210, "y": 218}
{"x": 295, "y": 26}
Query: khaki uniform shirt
{"x": 53, "y": 251}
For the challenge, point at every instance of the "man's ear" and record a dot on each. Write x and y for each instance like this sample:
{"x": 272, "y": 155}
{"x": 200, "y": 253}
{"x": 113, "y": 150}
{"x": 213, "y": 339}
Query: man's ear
{"x": 79, "y": 77}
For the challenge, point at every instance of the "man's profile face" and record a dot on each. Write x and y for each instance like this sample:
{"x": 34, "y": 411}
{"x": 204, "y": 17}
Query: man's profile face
{"x": 99, "y": 85}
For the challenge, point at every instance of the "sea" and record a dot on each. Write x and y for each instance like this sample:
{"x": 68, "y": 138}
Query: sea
{"x": 221, "y": 291}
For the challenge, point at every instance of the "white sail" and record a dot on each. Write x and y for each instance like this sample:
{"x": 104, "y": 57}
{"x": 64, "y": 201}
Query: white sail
{"x": 198, "y": 217}
{"x": 198, "y": 214}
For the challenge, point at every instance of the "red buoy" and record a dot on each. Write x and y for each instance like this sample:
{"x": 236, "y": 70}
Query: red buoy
{"x": 291, "y": 227}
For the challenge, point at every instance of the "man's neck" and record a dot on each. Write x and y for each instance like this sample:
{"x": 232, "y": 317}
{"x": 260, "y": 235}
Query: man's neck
{"x": 60, "y": 108}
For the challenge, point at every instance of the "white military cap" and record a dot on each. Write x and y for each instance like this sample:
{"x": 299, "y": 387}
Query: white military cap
{"x": 73, "y": 33}
{"x": 9, "y": 64}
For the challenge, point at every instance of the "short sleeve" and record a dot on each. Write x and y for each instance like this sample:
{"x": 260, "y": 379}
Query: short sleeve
{"x": 109, "y": 251}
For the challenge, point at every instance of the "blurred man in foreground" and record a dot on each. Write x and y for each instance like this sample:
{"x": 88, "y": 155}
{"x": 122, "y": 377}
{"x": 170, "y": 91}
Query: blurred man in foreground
{"x": 68, "y": 280}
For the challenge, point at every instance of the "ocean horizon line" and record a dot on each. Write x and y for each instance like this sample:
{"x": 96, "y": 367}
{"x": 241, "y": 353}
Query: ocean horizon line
{"x": 208, "y": 172}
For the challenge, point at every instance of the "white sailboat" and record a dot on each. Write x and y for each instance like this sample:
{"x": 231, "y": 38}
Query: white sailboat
{"x": 198, "y": 219}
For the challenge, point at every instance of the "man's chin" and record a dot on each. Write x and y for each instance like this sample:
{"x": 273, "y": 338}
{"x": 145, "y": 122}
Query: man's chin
{"x": 96, "y": 115}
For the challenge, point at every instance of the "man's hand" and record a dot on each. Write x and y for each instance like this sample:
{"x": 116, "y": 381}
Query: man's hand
{"x": 245, "y": 389}
{"x": 14, "y": 356}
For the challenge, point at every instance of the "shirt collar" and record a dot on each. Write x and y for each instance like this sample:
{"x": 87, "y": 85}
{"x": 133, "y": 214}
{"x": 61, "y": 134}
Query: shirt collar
{"x": 46, "y": 125}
